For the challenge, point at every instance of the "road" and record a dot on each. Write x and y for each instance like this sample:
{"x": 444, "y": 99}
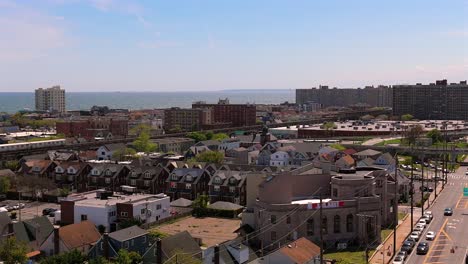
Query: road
{"x": 450, "y": 231}
{"x": 377, "y": 140}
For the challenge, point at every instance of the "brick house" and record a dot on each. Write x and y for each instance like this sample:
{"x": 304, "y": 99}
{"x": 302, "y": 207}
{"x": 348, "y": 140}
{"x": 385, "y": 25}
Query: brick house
{"x": 108, "y": 176}
{"x": 188, "y": 183}
{"x": 72, "y": 175}
{"x": 228, "y": 185}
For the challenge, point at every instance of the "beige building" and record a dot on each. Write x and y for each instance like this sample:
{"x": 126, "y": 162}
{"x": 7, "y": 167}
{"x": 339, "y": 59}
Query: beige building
{"x": 50, "y": 99}
{"x": 286, "y": 205}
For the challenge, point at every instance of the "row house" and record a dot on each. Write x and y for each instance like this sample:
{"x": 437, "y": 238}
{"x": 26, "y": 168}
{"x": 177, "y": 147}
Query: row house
{"x": 37, "y": 168}
{"x": 188, "y": 183}
{"x": 72, "y": 175}
{"x": 108, "y": 176}
{"x": 229, "y": 186}
{"x": 149, "y": 179}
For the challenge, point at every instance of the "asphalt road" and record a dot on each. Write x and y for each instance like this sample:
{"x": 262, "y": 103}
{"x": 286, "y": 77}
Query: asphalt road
{"x": 451, "y": 231}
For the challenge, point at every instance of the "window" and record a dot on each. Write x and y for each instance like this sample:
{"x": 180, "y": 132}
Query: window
{"x": 273, "y": 236}
{"x": 103, "y": 153}
{"x": 108, "y": 173}
{"x": 126, "y": 244}
{"x": 232, "y": 189}
{"x": 144, "y": 239}
{"x": 336, "y": 224}
{"x": 232, "y": 180}
{"x": 133, "y": 242}
{"x": 216, "y": 188}
{"x": 108, "y": 180}
{"x": 102, "y": 245}
{"x": 288, "y": 219}
{"x": 188, "y": 186}
{"x": 134, "y": 174}
{"x": 217, "y": 180}
{"x": 143, "y": 211}
{"x": 147, "y": 174}
{"x": 84, "y": 217}
{"x": 273, "y": 219}
{"x": 188, "y": 178}
{"x": 158, "y": 207}
{"x": 146, "y": 183}
{"x": 94, "y": 179}
{"x": 310, "y": 227}
{"x": 125, "y": 214}
{"x": 132, "y": 182}
{"x": 174, "y": 177}
{"x": 95, "y": 172}
{"x": 349, "y": 223}
{"x": 325, "y": 225}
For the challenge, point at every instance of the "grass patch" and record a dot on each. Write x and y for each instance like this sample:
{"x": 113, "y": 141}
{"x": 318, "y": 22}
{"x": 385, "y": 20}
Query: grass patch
{"x": 387, "y": 142}
{"x": 384, "y": 233}
{"x": 355, "y": 256}
{"x": 338, "y": 147}
{"x": 401, "y": 215}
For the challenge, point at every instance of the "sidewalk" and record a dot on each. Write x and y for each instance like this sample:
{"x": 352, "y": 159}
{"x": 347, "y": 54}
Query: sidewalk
{"x": 384, "y": 253}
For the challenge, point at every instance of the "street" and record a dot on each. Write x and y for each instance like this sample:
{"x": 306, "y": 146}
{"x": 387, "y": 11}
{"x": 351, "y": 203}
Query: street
{"x": 450, "y": 231}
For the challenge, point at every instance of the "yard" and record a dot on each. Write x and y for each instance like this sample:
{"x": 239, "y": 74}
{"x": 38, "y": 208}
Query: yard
{"x": 210, "y": 230}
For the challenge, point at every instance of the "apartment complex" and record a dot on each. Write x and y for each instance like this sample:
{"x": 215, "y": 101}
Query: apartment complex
{"x": 50, "y": 99}
{"x": 92, "y": 127}
{"x": 179, "y": 119}
{"x": 230, "y": 114}
{"x": 438, "y": 100}
{"x": 380, "y": 96}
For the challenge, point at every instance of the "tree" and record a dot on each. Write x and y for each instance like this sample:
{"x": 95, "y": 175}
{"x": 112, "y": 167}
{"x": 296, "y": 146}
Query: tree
{"x": 125, "y": 257}
{"x": 200, "y": 204}
{"x": 435, "y": 135}
{"x": 210, "y": 156}
{"x": 129, "y": 222}
{"x": 413, "y": 133}
{"x": 4, "y": 184}
{"x": 329, "y": 125}
{"x": 407, "y": 117}
{"x": 382, "y": 117}
{"x": 141, "y": 128}
{"x": 367, "y": 117}
{"x": 12, "y": 165}
{"x": 209, "y": 135}
{"x": 143, "y": 143}
{"x": 13, "y": 251}
{"x": 197, "y": 136}
{"x": 122, "y": 154}
{"x": 220, "y": 136}
{"x": 71, "y": 257}
{"x": 179, "y": 256}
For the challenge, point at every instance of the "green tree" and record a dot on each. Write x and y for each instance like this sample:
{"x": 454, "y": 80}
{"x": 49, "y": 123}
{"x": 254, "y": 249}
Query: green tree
{"x": 209, "y": 135}
{"x": 122, "y": 154}
{"x": 200, "y": 204}
{"x": 197, "y": 136}
{"x": 413, "y": 133}
{"x": 13, "y": 251}
{"x": 407, "y": 117}
{"x": 125, "y": 257}
{"x": 367, "y": 117}
{"x": 210, "y": 156}
{"x": 143, "y": 143}
{"x": 64, "y": 192}
{"x": 329, "y": 125}
{"x": 5, "y": 184}
{"x": 220, "y": 136}
{"x": 141, "y": 128}
{"x": 12, "y": 165}
{"x": 435, "y": 135}
{"x": 71, "y": 257}
{"x": 129, "y": 222}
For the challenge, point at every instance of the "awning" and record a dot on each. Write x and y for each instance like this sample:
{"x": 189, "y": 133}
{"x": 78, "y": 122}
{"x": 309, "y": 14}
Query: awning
{"x": 33, "y": 254}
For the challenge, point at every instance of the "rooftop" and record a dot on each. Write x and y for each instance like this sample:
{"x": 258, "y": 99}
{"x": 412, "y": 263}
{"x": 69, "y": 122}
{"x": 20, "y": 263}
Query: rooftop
{"x": 91, "y": 198}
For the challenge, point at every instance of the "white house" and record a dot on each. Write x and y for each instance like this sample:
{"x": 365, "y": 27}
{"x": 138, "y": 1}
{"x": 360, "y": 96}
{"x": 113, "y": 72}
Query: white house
{"x": 280, "y": 158}
{"x": 105, "y": 152}
{"x": 228, "y": 144}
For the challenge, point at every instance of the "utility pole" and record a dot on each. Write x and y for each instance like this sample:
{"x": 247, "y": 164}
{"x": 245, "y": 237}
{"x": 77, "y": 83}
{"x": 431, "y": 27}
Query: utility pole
{"x": 395, "y": 206}
{"x": 412, "y": 192}
{"x": 321, "y": 230}
{"x": 366, "y": 235}
{"x": 435, "y": 181}
{"x": 422, "y": 190}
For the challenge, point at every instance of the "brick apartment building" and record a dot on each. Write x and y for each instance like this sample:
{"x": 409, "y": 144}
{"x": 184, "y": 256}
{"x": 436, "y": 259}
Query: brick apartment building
{"x": 380, "y": 96}
{"x": 92, "y": 127}
{"x": 438, "y": 100}
{"x": 230, "y": 114}
{"x": 182, "y": 119}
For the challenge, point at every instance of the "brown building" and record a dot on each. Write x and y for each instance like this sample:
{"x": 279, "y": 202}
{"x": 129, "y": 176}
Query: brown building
{"x": 372, "y": 96}
{"x": 355, "y": 206}
{"x": 233, "y": 114}
{"x": 438, "y": 100}
{"x": 179, "y": 119}
{"x": 92, "y": 127}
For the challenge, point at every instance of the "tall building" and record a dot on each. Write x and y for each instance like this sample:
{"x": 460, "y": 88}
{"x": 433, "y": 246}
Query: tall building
{"x": 438, "y": 100}
{"x": 50, "y": 99}
{"x": 180, "y": 119}
{"x": 230, "y": 114}
{"x": 380, "y": 96}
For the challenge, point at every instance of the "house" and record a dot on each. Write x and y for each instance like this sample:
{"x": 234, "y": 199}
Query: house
{"x": 385, "y": 159}
{"x": 300, "y": 251}
{"x": 228, "y": 185}
{"x": 264, "y": 157}
{"x": 195, "y": 150}
{"x": 7, "y": 173}
{"x": 132, "y": 239}
{"x": 367, "y": 162}
{"x": 5, "y": 221}
{"x": 34, "y": 231}
{"x": 105, "y": 152}
{"x": 345, "y": 162}
{"x": 62, "y": 155}
{"x": 280, "y": 158}
{"x": 228, "y": 144}
{"x": 233, "y": 251}
{"x": 107, "y": 175}
{"x": 72, "y": 175}
{"x": 180, "y": 243}
{"x": 213, "y": 145}
{"x": 174, "y": 145}
{"x": 227, "y": 206}
{"x": 181, "y": 206}
{"x": 38, "y": 168}
{"x": 80, "y": 236}
{"x": 188, "y": 183}
{"x": 368, "y": 153}
{"x": 149, "y": 179}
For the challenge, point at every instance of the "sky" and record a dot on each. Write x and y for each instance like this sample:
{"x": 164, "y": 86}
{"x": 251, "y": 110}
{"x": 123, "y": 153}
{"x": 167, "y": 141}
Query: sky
{"x": 203, "y": 45}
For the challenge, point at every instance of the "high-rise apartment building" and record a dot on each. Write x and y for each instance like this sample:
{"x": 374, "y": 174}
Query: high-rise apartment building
{"x": 380, "y": 96}
{"x": 230, "y": 114}
{"x": 438, "y": 100}
{"x": 180, "y": 119}
{"x": 50, "y": 99}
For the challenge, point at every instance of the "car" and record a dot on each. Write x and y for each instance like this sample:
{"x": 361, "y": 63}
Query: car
{"x": 420, "y": 226}
{"x": 398, "y": 260}
{"x": 426, "y": 164}
{"x": 428, "y": 212}
{"x": 422, "y": 248}
{"x": 415, "y": 235}
{"x": 430, "y": 235}
{"x": 412, "y": 239}
{"x": 402, "y": 254}
{"x": 422, "y": 222}
{"x": 448, "y": 211}
{"x": 407, "y": 246}
{"x": 47, "y": 211}
{"x": 430, "y": 189}
{"x": 466, "y": 172}
{"x": 418, "y": 229}
{"x": 427, "y": 218}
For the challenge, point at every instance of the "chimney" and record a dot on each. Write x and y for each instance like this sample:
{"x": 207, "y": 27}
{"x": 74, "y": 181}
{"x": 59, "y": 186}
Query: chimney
{"x": 56, "y": 240}
{"x": 216, "y": 254}
{"x": 158, "y": 251}
{"x": 105, "y": 238}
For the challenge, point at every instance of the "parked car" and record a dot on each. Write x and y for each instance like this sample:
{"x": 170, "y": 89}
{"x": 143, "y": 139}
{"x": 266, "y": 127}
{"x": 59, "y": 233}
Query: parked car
{"x": 422, "y": 222}
{"x": 47, "y": 211}
{"x": 407, "y": 246}
{"x": 412, "y": 239}
{"x": 430, "y": 189}
{"x": 402, "y": 254}
{"x": 398, "y": 260}
{"x": 422, "y": 248}
{"x": 415, "y": 235}
{"x": 420, "y": 226}
{"x": 427, "y": 218}
{"x": 430, "y": 235}
{"x": 418, "y": 229}
{"x": 428, "y": 212}
{"x": 448, "y": 211}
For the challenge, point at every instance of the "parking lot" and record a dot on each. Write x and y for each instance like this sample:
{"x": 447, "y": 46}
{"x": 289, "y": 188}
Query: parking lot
{"x": 30, "y": 210}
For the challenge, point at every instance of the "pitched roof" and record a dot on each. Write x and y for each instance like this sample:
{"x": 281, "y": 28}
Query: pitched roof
{"x": 128, "y": 233}
{"x": 114, "y": 147}
{"x": 349, "y": 151}
{"x": 221, "y": 205}
{"x": 39, "y": 228}
{"x": 210, "y": 142}
{"x": 80, "y": 234}
{"x": 301, "y": 250}
{"x": 347, "y": 159}
{"x": 366, "y": 162}
{"x": 368, "y": 152}
{"x": 7, "y": 172}
{"x": 181, "y": 202}
{"x": 181, "y": 241}
{"x": 4, "y": 221}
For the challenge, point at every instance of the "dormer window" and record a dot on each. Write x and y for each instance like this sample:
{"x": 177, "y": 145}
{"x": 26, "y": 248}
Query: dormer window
{"x": 189, "y": 178}
{"x": 58, "y": 170}
{"x": 108, "y": 172}
{"x": 174, "y": 177}
{"x": 147, "y": 174}
{"x": 95, "y": 172}
{"x": 217, "y": 180}
{"x": 36, "y": 168}
{"x": 232, "y": 180}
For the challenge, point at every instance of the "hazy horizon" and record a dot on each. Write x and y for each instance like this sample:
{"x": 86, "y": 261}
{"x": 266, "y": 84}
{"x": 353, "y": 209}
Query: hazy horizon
{"x": 189, "y": 46}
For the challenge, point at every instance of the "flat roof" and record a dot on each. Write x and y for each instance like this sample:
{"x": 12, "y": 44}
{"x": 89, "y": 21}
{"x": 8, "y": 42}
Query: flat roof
{"x": 313, "y": 201}
{"x": 90, "y": 199}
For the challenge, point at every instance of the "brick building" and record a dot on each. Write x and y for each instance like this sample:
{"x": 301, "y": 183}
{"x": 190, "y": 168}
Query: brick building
{"x": 233, "y": 114}
{"x": 438, "y": 100}
{"x": 92, "y": 127}
{"x": 182, "y": 119}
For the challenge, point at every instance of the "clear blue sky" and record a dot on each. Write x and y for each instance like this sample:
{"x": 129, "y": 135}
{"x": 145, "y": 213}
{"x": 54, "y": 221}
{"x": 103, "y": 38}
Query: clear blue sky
{"x": 156, "y": 45}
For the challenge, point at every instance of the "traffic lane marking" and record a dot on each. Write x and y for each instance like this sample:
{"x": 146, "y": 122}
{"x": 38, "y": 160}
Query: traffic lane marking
{"x": 435, "y": 241}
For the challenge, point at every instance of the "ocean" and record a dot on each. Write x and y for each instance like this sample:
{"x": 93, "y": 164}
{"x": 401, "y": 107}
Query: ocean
{"x": 13, "y": 102}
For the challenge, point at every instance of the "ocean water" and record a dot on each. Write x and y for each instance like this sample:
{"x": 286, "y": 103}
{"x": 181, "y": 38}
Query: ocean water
{"x": 13, "y": 102}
